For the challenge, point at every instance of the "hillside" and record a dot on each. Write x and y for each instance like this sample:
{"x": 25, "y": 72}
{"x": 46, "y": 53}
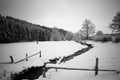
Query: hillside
{"x": 16, "y": 30}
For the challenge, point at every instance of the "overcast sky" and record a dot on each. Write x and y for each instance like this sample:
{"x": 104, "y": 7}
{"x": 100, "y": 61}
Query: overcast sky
{"x": 66, "y": 14}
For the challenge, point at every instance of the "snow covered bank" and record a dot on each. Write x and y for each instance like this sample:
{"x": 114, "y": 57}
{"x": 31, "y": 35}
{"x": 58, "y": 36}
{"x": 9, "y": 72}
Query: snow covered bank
{"x": 49, "y": 50}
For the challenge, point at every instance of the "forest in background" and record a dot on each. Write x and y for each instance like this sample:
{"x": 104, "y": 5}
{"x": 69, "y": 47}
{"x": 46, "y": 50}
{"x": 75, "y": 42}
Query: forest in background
{"x": 16, "y": 30}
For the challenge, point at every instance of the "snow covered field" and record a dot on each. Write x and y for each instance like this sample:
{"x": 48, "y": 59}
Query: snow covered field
{"x": 49, "y": 50}
{"x": 109, "y": 58}
{"x": 108, "y": 54}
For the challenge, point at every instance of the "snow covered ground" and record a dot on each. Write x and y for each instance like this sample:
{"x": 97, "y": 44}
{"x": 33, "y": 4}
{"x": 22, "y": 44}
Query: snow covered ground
{"x": 49, "y": 50}
{"x": 108, "y": 54}
{"x": 109, "y": 58}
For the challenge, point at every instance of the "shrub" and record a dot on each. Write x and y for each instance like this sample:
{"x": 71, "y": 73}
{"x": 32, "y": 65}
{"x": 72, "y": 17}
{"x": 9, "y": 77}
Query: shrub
{"x": 102, "y": 38}
{"x": 116, "y": 39}
{"x": 98, "y": 33}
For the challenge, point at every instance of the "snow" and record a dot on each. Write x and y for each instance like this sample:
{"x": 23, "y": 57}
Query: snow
{"x": 108, "y": 54}
{"x": 109, "y": 58}
{"x": 49, "y": 50}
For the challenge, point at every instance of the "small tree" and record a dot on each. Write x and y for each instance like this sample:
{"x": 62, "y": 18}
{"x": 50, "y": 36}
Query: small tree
{"x": 98, "y": 33}
{"x": 88, "y": 28}
{"x": 115, "y": 25}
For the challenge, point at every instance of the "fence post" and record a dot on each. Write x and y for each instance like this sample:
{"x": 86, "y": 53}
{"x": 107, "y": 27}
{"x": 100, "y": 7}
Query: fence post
{"x": 44, "y": 70}
{"x": 40, "y": 54}
{"x": 37, "y": 42}
{"x": 64, "y": 59}
{"x": 11, "y": 74}
{"x": 44, "y": 73}
{"x": 12, "y": 60}
{"x": 4, "y": 73}
{"x": 96, "y": 67}
{"x": 56, "y": 69}
{"x": 26, "y": 57}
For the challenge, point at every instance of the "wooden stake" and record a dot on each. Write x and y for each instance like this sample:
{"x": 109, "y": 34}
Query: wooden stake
{"x": 44, "y": 70}
{"x": 12, "y": 60}
{"x": 4, "y": 73}
{"x": 11, "y": 74}
{"x": 96, "y": 67}
{"x": 37, "y": 42}
{"x": 44, "y": 73}
{"x": 64, "y": 59}
{"x": 40, "y": 53}
{"x": 56, "y": 69}
{"x": 26, "y": 57}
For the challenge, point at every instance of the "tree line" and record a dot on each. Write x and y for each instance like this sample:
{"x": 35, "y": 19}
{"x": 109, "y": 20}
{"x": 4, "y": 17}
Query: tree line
{"x": 16, "y": 30}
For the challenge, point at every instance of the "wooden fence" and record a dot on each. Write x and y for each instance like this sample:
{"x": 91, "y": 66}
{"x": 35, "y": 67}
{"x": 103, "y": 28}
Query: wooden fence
{"x": 96, "y": 69}
{"x": 27, "y": 57}
{"x": 12, "y": 61}
{"x": 46, "y": 67}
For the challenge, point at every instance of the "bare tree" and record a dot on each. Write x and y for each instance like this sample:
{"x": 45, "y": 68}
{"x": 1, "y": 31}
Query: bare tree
{"x": 88, "y": 28}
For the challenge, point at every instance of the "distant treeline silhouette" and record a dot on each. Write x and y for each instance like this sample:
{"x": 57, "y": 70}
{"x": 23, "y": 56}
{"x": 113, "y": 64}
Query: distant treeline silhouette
{"x": 16, "y": 30}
